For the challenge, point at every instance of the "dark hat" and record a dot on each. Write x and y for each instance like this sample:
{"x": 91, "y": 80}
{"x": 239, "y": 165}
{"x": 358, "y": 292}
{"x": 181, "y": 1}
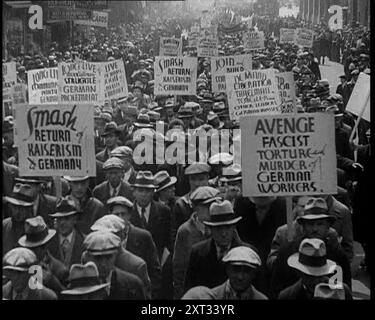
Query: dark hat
{"x": 185, "y": 112}
{"x": 111, "y": 128}
{"x": 20, "y": 196}
{"x": 204, "y": 195}
{"x": 144, "y": 179}
{"x": 36, "y": 233}
{"x": 163, "y": 180}
{"x": 30, "y": 180}
{"x": 65, "y": 208}
{"x": 143, "y": 121}
{"x": 315, "y": 208}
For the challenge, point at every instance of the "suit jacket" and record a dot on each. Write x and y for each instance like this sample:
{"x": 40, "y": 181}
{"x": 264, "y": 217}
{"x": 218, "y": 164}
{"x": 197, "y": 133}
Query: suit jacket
{"x": 204, "y": 268}
{"x": 37, "y": 294}
{"x": 11, "y": 233}
{"x": 187, "y": 235}
{"x": 221, "y": 293}
{"x": 125, "y": 286}
{"x": 159, "y": 225}
{"x": 54, "y": 248}
{"x": 133, "y": 264}
{"x": 102, "y": 156}
{"x": 181, "y": 212}
{"x": 140, "y": 243}
{"x": 102, "y": 192}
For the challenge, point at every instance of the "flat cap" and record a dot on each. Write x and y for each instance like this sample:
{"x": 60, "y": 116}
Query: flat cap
{"x": 121, "y": 201}
{"x": 109, "y": 222}
{"x": 19, "y": 259}
{"x": 122, "y": 151}
{"x": 113, "y": 163}
{"x": 101, "y": 243}
{"x": 204, "y": 195}
{"x": 196, "y": 168}
{"x": 244, "y": 256}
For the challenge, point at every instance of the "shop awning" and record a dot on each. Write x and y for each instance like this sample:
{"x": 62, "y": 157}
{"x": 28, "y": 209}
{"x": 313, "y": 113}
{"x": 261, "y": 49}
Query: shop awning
{"x": 18, "y": 4}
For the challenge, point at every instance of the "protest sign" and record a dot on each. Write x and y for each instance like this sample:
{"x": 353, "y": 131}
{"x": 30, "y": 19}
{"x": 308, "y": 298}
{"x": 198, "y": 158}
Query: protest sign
{"x": 288, "y": 155}
{"x": 9, "y": 80}
{"x": 79, "y": 83}
{"x": 220, "y": 66}
{"x": 193, "y": 36}
{"x": 114, "y": 79}
{"x": 252, "y": 92}
{"x": 304, "y": 37}
{"x": 98, "y": 19}
{"x": 253, "y": 40}
{"x": 170, "y": 47}
{"x": 19, "y": 93}
{"x": 55, "y": 140}
{"x": 175, "y": 75}
{"x": 360, "y": 97}
{"x": 287, "y": 35}
{"x": 206, "y": 19}
{"x": 207, "y": 45}
{"x": 287, "y": 90}
{"x": 43, "y": 86}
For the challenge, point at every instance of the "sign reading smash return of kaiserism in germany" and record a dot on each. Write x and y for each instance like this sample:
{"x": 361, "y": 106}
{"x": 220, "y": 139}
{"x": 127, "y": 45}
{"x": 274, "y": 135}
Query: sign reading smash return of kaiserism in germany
{"x": 287, "y": 155}
{"x": 252, "y": 92}
{"x": 43, "y": 86}
{"x": 55, "y": 140}
{"x": 79, "y": 83}
{"x": 175, "y": 75}
{"x": 220, "y": 66}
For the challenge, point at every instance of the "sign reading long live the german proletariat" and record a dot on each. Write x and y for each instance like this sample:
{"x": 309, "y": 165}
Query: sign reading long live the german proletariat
{"x": 175, "y": 75}
{"x": 288, "y": 155}
{"x": 252, "y": 92}
{"x": 79, "y": 83}
{"x": 55, "y": 140}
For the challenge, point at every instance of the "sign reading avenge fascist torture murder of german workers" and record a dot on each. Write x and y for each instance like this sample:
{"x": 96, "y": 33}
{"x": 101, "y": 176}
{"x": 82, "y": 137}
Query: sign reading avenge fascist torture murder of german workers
{"x": 287, "y": 155}
{"x": 55, "y": 140}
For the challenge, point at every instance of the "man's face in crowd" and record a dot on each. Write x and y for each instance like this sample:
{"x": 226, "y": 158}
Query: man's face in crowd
{"x": 110, "y": 140}
{"x": 137, "y": 92}
{"x": 8, "y": 138}
{"x": 123, "y": 106}
{"x": 99, "y": 124}
{"x": 223, "y": 235}
{"x": 79, "y": 188}
{"x": 105, "y": 263}
{"x": 233, "y": 190}
{"x": 317, "y": 228}
{"x": 143, "y": 196}
{"x": 343, "y": 80}
{"x": 127, "y": 162}
{"x": 203, "y": 212}
{"x": 187, "y": 121}
{"x": 168, "y": 193}
{"x": 19, "y": 213}
{"x": 19, "y": 279}
{"x": 114, "y": 176}
{"x": 198, "y": 180}
{"x": 240, "y": 277}
{"x": 300, "y": 206}
{"x": 65, "y": 225}
{"x": 122, "y": 211}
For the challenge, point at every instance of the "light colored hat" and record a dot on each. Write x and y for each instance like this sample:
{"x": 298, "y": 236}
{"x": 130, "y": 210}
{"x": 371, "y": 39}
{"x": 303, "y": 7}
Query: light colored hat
{"x": 243, "y": 256}
{"x": 163, "y": 180}
{"x": 36, "y": 233}
{"x": 84, "y": 279}
{"x": 198, "y": 293}
{"x": 204, "y": 195}
{"x": 100, "y": 243}
{"x": 197, "y": 168}
{"x": 329, "y": 291}
{"x": 121, "y": 201}
{"x": 221, "y": 214}
{"x": 113, "y": 163}
{"x": 232, "y": 174}
{"x": 223, "y": 157}
{"x": 311, "y": 258}
{"x": 144, "y": 179}
{"x": 122, "y": 151}
{"x": 315, "y": 208}
{"x": 109, "y": 222}
{"x": 76, "y": 179}
{"x": 21, "y": 196}
{"x": 19, "y": 259}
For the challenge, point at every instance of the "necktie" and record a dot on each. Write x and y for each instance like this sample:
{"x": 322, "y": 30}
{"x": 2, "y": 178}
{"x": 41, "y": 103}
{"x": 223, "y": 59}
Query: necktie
{"x": 144, "y": 221}
{"x": 65, "y": 248}
{"x": 113, "y": 193}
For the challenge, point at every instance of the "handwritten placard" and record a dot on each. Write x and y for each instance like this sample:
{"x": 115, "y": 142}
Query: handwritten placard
{"x": 287, "y": 35}
{"x": 287, "y": 90}
{"x": 9, "y": 80}
{"x": 43, "y": 86}
{"x": 170, "y": 47}
{"x": 253, "y": 40}
{"x": 114, "y": 79}
{"x": 304, "y": 37}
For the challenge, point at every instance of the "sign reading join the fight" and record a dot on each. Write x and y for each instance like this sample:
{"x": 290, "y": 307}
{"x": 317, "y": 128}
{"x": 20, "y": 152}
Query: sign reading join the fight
{"x": 55, "y": 140}
{"x": 288, "y": 155}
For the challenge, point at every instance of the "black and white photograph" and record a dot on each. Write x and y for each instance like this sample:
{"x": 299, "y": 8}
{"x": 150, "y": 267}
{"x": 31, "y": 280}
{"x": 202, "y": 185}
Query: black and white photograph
{"x": 214, "y": 150}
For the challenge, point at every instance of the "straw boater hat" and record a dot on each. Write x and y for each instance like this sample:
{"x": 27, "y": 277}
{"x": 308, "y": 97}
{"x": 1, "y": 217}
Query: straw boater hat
{"x": 36, "y": 233}
{"x": 221, "y": 214}
{"x": 84, "y": 279}
{"x": 19, "y": 259}
{"x": 243, "y": 256}
{"x": 315, "y": 208}
{"x": 65, "y": 208}
{"x": 311, "y": 258}
{"x": 144, "y": 179}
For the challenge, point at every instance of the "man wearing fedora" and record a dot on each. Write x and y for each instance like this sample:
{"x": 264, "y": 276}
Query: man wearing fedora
{"x": 67, "y": 246}
{"x": 20, "y": 204}
{"x": 191, "y": 232}
{"x": 101, "y": 248}
{"x": 37, "y": 238}
{"x": 84, "y": 283}
{"x": 111, "y": 135}
{"x": 241, "y": 264}
{"x": 315, "y": 223}
{"x": 198, "y": 176}
{"x": 16, "y": 266}
{"x": 125, "y": 260}
{"x": 313, "y": 267}
{"x": 115, "y": 185}
{"x": 138, "y": 241}
{"x": 91, "y": 208}
{"x": 205, "y": 263}
{"x": 125, "y": 154}
{"x": 165, "y": 191}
